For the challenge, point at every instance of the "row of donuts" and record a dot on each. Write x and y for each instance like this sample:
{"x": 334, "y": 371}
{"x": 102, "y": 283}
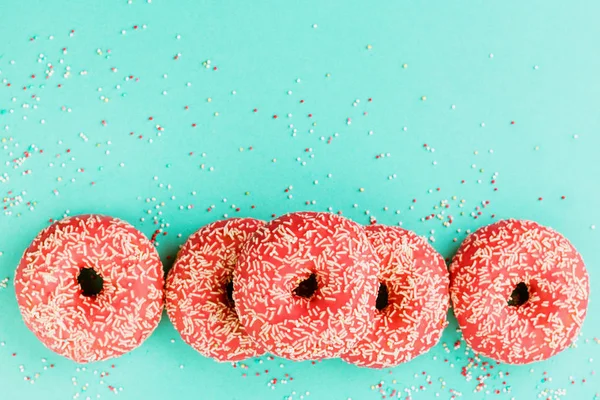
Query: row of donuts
{"x": 304, "y": 286}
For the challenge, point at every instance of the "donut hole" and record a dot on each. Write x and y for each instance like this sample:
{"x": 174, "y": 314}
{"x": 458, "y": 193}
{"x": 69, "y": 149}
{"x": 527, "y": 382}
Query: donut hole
{"x": 90, "y": 282}
{"x": 229, "y": 293}
{"x": 519, "y": 295}
{"x": 307, "y": 288}
{"x": 382, "y": 297}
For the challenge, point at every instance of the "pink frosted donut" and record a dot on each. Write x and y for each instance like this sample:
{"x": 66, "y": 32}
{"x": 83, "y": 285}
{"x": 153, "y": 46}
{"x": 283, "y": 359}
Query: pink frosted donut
{"x": 199, "y": 291}
{"x": 90, "y": 287}
{"x": 306, "y": 284}
{"x": 412, "y": 302}
{"x": 520, "y": 291}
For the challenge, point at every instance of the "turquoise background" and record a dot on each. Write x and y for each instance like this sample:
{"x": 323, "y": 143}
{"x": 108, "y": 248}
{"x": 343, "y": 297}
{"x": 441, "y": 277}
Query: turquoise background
{"x": 535, "y": 63}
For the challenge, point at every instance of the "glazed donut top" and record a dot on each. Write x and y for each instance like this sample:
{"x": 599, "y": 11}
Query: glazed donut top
{"x": 519, "y": 290}
{"x": 412, "y": 303}
{"x": 305, "y": 285}
{"x": 199, "y": 290}
{"x": 76, "y": 324}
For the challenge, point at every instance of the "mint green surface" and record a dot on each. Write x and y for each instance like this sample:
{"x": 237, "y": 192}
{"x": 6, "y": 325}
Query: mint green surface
{"x": 535, "y": 63}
